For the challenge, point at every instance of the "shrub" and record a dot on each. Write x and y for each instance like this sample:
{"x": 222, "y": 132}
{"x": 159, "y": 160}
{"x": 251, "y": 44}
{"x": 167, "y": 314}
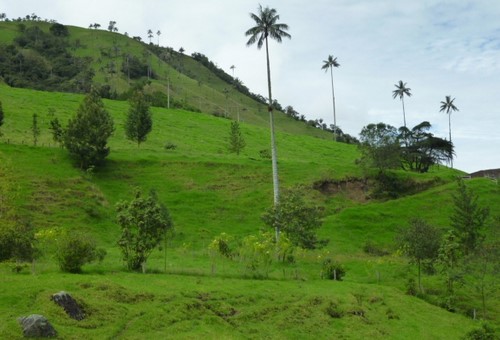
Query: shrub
{"x": 297, "y": 219}
{"x": 265, "y": 154}
{"x": 17, "y": 241}
{"x": 334, "y": 310}
{"x": 220, "y": 245}
{"x": 374, "y": 249}
{"x": 170, "y": 146}
{"x": 332, "y": 270}
{"x": 486, "y": 332}
{"x": 76, "y": 249}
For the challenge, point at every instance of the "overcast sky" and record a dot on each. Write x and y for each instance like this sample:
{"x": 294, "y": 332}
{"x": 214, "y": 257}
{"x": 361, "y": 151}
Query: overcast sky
{"x": 438, "y": 47}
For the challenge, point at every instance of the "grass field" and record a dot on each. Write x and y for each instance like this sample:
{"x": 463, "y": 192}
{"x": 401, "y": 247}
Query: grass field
{"x": 187, "y": 293}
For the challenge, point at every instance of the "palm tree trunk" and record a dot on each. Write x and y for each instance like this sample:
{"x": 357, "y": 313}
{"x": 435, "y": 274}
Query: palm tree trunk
{"x": 333, "y": 103}
{"x": 449, "y": 129}
{"x": 274, "y": 154}
{"x": 404, "y": 113}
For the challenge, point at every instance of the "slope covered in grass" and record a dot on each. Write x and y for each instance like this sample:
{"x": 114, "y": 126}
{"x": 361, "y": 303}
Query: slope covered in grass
{"x": 189, "y": 293}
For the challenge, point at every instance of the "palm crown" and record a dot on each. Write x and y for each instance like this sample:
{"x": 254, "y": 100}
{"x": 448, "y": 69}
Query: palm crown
{"x": 401, "y": 90}
{"x": 330, "y": 62}
{"x": 266, "y": 25}
{"x": 447, "y": 105}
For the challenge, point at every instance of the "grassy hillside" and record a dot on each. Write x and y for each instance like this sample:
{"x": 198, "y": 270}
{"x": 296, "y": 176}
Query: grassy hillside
{"x": 191, "y": 84}
{"x": 209, "y": 191}
{"x": 188, "y": 292}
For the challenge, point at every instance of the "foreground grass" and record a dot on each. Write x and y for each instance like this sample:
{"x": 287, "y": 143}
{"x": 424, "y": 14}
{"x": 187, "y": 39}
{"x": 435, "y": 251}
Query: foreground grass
{"x": 134, "y": 306}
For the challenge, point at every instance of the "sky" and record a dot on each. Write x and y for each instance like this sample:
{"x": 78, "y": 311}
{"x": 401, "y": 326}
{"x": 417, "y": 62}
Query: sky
{"x": 437, "y": 47}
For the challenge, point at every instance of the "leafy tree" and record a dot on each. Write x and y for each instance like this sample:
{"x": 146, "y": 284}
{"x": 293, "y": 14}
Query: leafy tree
{"x": 144, "y": 223}
{"x": 236, "y": 140}
{"x": 59, "y": 30}
{"x": 421, "y": 149}
{"x": 57, "y": 131}
{"x": 379, "y": 146}
{"x": 468, "y": 218}
{"x": 400, "y": 91}
{"x": 88, "y": 131}
{"x": 267, "y": 25}
{"x": 133, "y": 67}
{"x": 449, "y": 256}
{"x": 1, "y": 117}
{"x": 330, "y": 63}
{"x": 296, "y": 219}
{"x": 448, "y": 106}
{"x": 420, "y": 242}
{"x": 112, "y": 26}
{"x": 35, "y": 129}
{"x": 483, "y": 266}
{"x": 139, "y": 120}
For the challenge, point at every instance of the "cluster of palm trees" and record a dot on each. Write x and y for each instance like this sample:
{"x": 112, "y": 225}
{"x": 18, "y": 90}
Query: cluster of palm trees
{"x": 447, "y": 105}
{"x": 267, "y": 26}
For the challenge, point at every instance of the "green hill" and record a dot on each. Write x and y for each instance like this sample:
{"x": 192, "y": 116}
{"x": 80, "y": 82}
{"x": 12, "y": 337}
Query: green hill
{"x": 187, "y": 291}
{"x": 108, "y": 57}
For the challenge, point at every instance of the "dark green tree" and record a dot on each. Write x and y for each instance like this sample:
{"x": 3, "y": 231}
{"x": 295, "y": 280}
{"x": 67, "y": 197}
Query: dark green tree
{"x": 449, "y": 257}
{"x": 421, "y": 149}
{"x": 88, "y": 131}
{"x": 57, "y": 131}
{"x": 35, "y": 129}
{"x": 144, "y": 224}
{"x": 379, "y": 146}
{"x": 59, "y": 30}
{"x": 420, "y": 242}
{"x": 139, "y": 119}
{"x": 236, "y": 141}
{"x": 267, "y": 26}
{"x": 298, "y": 220}
{"x": 468, "y": 218}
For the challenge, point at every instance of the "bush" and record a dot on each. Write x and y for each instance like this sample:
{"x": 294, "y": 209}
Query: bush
{"x": 17, "y": 241}
{"x": 220, "y": 246}
{"x": 332, "y": 270}
{"x": 334, "y": 311}
{"x": 373, "y": 249}
{"x": 265, "y": 154}
{"x": 486, "y": 332}
{"x": 76, "y": 249}
{"x": 297, "y": 219}
{"x": 170, "y": 146}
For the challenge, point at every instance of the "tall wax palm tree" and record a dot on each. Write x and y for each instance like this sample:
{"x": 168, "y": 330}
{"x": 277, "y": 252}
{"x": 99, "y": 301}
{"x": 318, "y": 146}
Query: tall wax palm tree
{"x": 330, "y": 63}
{"x": 158, "y": 33}
{"x": 400, "y": 91}
{"x": 266, "y": 25}
{"x": 448, "y": 106}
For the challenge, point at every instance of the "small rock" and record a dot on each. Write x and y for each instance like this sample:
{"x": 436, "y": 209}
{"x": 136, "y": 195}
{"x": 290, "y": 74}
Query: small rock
{"x": 69, "y": 304}
{"x": 36, "y": 325}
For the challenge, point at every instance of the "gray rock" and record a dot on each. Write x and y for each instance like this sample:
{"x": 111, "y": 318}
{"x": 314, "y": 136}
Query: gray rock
{"x": 36, "y": 325}
{"x": 69, "y": 304}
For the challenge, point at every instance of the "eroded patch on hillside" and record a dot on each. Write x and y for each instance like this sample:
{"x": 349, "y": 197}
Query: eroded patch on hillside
{"x": 354, "y": 189}
{"x": 72, "y": 197}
